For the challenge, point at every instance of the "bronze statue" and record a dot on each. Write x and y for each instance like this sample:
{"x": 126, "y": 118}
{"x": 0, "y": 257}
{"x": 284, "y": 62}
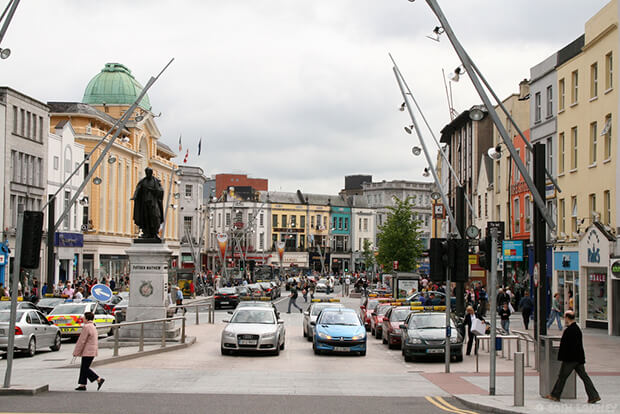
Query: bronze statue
{"x": 148, "y": 209}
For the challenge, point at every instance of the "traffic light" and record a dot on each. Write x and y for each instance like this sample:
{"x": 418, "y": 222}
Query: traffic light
{"x": 460, "y": 272}
{"x": 485, "y": 253}
{"x": 436, "y": 258}
{"x": 31, "y": 239}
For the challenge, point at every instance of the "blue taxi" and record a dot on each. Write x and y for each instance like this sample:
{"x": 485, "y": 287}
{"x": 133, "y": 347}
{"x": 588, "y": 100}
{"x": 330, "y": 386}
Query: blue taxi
{"x": 339, "y": 330}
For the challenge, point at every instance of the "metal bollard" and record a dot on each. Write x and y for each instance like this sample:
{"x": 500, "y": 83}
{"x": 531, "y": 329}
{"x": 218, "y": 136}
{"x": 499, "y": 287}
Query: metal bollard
{"x": 183, "y": 330}
{"x": 116, "y": 341}
{"x": 476, "y": 352}
{"x": 519, "y": 380}
{"x": 527, "y": 353}
{"x": 197, "y": 320}
{"x": 509, "y": 354}
{"x": 163, "y": 334}
{"x": 141, "y": 346}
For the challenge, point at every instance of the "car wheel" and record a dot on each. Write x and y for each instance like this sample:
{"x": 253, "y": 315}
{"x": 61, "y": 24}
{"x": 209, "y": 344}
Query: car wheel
{"x": 309, "y": 338}
{"x": 408, "y": 358}
{"x": 277, "y": 351}
{"x": 459, "y": 358}
{"x": 282, "y": 346}
{"x": 363, "y": 353}
{"x": 377, "y": 334}
{"x": 372, "y": 331}
{"x": 305, "y": 333}
{"x": 32, "y": 347}
{"x": 317, "y": 352}
{"x": 57, "y": 342}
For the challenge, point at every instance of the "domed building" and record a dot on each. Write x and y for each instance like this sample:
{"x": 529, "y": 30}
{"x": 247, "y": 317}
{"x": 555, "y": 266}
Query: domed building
{"x": 107, "y": 221}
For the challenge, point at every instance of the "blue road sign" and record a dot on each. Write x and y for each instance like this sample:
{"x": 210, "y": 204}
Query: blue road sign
{"x": 101, "y": 292}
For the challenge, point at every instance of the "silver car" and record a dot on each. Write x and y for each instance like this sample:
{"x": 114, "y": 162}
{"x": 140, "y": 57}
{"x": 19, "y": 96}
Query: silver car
{"x": 311, "y": 314}
{"x": 254, "y": 329}
{"x": 32, "y": 331}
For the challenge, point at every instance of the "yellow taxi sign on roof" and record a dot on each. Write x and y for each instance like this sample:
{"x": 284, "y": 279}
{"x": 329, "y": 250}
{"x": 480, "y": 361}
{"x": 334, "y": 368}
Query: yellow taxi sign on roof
{"x": 7, "y": 298}
{"x": 265, "y": 298}
{"x": 372, "y": 295}
{"x": 325, "y": 300}
{"x": 245, "y": 298}
{"x": 428, "y": 308}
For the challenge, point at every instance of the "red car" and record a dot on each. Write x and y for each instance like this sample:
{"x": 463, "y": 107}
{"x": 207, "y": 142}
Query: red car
{"x": 376, "y": 319}
{"x": 368, "y": 306}
{"x": 390, "y": 332}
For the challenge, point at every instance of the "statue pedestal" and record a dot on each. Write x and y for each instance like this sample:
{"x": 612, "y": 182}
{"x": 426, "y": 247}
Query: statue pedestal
{"x": 148, "y": 290}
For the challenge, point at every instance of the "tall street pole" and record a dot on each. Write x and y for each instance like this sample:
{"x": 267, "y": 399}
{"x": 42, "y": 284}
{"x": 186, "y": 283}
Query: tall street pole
{"x": 51, "y": 260}
{"x": 540, "y": 242}
{"x": 460, "y": 222}
{"x": 493, "y": 305}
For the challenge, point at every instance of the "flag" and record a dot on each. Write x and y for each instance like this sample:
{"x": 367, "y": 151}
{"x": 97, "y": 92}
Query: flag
{"x": 180, "y": 146}
{"x": 186, "y": 156}
{"x": 199, "y": 145}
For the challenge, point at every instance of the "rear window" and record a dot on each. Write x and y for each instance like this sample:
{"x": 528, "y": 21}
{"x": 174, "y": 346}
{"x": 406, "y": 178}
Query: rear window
{"x": 372, "y": 304}
{"x": 399, "y": 315}
{"x": 228, "y": 291}
{"x": 4, "y": 316}
{"x": 69, "y": 309}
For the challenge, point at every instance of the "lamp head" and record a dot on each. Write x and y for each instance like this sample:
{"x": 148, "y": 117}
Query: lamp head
{"x": 97, "y": 180}
{"x": 409, "y": 129}
{"x": 456, "y": 75}
{"x": 5, "y": 53}
{"x": 476, "y": 114}
{"x": 426, "y": 173}
{"x": 401, "y": 108}
{"x": 416, "y": 150}
{"x": 111, "y": 159}
{"x": 495, "y": 153}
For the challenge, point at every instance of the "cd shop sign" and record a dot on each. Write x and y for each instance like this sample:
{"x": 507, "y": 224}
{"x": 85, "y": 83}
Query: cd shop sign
{"x": 615, "y": 269}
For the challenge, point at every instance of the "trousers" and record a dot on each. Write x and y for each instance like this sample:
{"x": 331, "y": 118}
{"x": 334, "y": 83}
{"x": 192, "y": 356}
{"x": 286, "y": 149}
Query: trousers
{"x": 86, "y": 372}
{"x": 565, "y": 371}
{"x": 526, "y": 313}
{"x": 292, "y": 302}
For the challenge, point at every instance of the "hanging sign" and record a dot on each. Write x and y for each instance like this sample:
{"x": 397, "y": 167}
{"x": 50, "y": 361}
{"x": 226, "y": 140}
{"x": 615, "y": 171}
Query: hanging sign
{"x": 281, "y": 245}
{"x": 222, "y": 240}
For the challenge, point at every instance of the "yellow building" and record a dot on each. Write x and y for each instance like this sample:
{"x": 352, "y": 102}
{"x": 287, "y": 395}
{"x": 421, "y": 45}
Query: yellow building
{"x": 588, "y": 170}
{"x": 108, "y": 212}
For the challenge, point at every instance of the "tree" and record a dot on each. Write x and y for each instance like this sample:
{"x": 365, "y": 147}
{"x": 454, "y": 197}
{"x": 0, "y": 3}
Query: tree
{"x": 399, "y": 237}
{"x": 368, "y": 255}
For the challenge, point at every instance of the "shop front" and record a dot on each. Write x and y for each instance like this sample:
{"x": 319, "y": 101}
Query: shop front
{"x": 290, "y": 259}
{"x": 594, "y": 261}
{"x": 68, "y": 247}
{"x": 113, "y": 266}
{"x": 566, "y": 281}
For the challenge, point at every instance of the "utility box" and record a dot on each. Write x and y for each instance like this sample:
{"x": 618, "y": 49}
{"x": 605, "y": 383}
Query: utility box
{"x": 405, "y": 284}
{"x": 550, "y": 368}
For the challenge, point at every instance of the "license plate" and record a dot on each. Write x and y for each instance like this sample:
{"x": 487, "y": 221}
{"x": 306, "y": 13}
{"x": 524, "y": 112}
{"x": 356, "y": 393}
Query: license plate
{"x": 1, "y": 331}
{"x": 341, "y": 349}
{"x": 435, "y": 351}
{"x": 68, "y": 329}
{"x": 223, "y": 303}
{"x": 247, "y": 342}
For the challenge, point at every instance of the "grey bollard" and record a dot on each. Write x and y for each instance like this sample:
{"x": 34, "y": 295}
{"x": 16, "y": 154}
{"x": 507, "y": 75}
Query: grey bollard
{"x": 519, "y": 380}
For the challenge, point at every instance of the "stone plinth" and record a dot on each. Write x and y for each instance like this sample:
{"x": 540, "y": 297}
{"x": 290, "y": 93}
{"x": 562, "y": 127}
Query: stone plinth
{"x": 148, "y": 288}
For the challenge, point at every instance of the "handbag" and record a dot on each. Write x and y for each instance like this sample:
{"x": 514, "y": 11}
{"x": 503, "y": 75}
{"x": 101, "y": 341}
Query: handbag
{"x": 478, "y": 327}
{"x": 510, "y": 308}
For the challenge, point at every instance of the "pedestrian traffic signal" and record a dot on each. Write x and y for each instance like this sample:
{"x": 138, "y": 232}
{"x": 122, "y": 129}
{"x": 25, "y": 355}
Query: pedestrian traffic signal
{"x": 31, "y": 239}
{"x": 485, "y": 253}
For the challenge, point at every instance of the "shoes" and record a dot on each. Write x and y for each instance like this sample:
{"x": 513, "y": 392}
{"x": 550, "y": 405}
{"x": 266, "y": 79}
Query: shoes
{"x": 100, "y": 383}
{"x": 301, "y": 311}
{"x": 594, "y": 400}
{"x": 80, "y": 388}
{"x": 552, "y": 398}
{"x": 288, "y": 312}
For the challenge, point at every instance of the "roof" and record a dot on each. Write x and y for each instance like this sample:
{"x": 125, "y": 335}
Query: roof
{"x": 115, "y": 85}
{"x": 457, "y": 123}
{"x": 166, "y": 149}
{"x": 79, "y": 108}
{"x": 608, "y": 235}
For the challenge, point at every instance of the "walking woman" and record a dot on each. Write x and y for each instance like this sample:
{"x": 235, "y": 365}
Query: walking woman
{"x": 86, "y": 347}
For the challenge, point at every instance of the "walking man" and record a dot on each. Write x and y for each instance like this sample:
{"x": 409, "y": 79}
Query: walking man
{"x": 573, "y": 357}
{"x": 526, "y": 305}
{"x": 292, "y": 298}
{"x": 556, "y": 311}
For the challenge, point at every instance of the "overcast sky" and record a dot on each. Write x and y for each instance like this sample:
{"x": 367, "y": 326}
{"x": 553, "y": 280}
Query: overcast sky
{"x": 299, "y": 92}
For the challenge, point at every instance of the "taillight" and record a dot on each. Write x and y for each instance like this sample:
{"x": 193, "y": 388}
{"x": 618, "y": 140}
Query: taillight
{"x": 79, "y": 321}
{"x": 218, "y": 297}
{"x": 18, "y": 331}
{"x": 234, "y": 296}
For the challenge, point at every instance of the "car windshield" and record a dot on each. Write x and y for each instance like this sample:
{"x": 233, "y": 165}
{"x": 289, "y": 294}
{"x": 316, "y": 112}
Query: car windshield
{"x": 4, "y": 316}
{"x": 69, "y": 309}
{"x": 253, "y": 316}
{"x": 227, "y": 291}
{"x": 382, "y": 310}
{"x": 265, "y": 285}
{"x": 372, "y": 304}
{"x": 324, "y": 281}
{"x": 49, "y": 302}
{"x": 4, "y": 305}
{"x": 253, "y": 304}
{"x": 316, "y": 309}
{"x": 428, "y": 321}
{"x": 399, "y": 315}
{"x": 339, "y": 318}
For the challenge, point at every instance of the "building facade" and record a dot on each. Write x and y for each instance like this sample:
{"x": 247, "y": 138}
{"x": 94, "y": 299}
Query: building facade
{"x": 192, "y": 215}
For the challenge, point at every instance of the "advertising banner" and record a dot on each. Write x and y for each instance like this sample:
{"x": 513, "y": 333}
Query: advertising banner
{"x": 281, "y": 245}
{"x": 222, "y": 241}
{"x": 512, "y": 250}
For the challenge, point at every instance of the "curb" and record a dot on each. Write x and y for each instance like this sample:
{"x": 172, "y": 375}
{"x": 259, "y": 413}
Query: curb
{"x": 23, "y": 390}
{"x": 488, "y": 408}
{"x": 190, "y": 340}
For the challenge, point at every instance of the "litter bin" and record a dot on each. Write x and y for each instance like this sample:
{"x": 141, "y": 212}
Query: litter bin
{"x": 550, "y": 368}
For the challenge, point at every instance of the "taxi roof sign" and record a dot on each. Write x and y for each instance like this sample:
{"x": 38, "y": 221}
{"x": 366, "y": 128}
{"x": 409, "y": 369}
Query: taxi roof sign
{"x": 428, "y": 308}
{"x": 406, "y": 303}
{"x": 325, "y": 300}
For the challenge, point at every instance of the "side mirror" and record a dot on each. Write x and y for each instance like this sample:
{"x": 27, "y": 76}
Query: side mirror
{"x": 280, "y": 321}
{"x": 230, "y": 312}
{"x": 374, "y": 314}
{"x": 307, "y": 313}
{"x": 226, "y": 321}
{"x": 313, "y": 323}
{"x": 402, "y": 326}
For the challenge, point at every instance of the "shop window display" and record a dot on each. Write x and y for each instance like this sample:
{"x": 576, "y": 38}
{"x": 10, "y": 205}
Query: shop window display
{"x": 597, "y": 294}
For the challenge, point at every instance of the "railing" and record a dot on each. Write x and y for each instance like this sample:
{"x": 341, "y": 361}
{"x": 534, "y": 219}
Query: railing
{"x": 485, "y": 339}
{"x": 527, "y": 338}
{"x": 209, "y": 302}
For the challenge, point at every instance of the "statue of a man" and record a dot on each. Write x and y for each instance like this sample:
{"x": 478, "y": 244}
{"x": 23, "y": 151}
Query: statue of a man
{"x": 148, "y": 209}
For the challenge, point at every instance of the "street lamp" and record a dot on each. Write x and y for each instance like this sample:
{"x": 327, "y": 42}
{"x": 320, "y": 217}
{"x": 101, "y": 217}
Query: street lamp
{"x": 409, "y": 129}
{"x": 416, "y": 150}
{"x": 456, "y": 75}
{"x": 437, "y": 31}
{"x": 5, "y": 53}
{"x": 97, "y": 180}
{"x": 495, "y": 152}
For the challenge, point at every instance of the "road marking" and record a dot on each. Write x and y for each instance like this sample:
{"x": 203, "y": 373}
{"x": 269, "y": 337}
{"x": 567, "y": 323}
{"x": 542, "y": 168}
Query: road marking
{"x": 439, "y": 403}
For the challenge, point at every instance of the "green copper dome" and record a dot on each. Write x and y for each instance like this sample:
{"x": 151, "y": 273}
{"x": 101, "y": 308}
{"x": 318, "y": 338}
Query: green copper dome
{"x": 114, "y": 85}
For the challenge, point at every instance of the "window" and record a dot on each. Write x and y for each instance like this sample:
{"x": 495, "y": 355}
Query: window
{"x": 261, "y": 241}
{"x": 606, "y": 132}
{"x": 360, "y": 224}
{"x": 527, "y": 207}
{"x": 187, "y": 226}
{"x": 227, "y": 219}
{"x": 549, "y": 113}
{"x": 283, "y": 220}
{"x": 515, "y": 169}
{"x": 562, "y": 213}
{"x": 609, "y": 71}
{"x": 311, "y": 221}
{"x": 261, "y": 220}
{"x": 498, "y": 166}
{"x": 593, "y": 142}
{"x": 573, "y": 218}
{"x": 302, "y": 222}
{"x": 574, "y": 153}
{"x": 549, "y": 148}
{"x": 274, "y": 220}
{"x": 56, "y": 162}
{"x": 517, "y": 216}
{"x": 607, "y": 207}
{"x": 188, "y": 190}
{"x": 28, "y": 124}
{"x": 22, "y": 121}
{"x": 340, "y": 223}
{"x": 346, "y": 223}
{"x": 293, "y": 221}
{"x": 365, "y": 224}
{"x": 34, "y": 126}
{"x": 67, "y": 198}
{"x": 592, "y": 206}
{"x": 498, "y": 212}
{"x": 219, "y": 219}
{"x": 562, "y": 97}
{"x": 561, "y": 141}
{"x": 15, "y": 119}
{"x": 575, "y": 87}
{"x": 486, "y": 205}
{"x": 537, "y": 107}
{"x": 593, "y": 80}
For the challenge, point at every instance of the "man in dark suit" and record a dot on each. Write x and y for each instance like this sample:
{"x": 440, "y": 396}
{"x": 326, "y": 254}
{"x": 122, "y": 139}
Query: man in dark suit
{"x": 573, "y": 357}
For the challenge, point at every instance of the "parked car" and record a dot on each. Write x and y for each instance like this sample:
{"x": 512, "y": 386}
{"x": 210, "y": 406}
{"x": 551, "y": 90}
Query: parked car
{"x": 69, "y": 317}
{"x": 32, "y": 332}
{"x": 21, "y": 305}
{"x": 269, "y": 289}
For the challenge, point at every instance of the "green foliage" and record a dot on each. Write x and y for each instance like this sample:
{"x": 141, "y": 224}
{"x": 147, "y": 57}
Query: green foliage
{"x": 399, "y": 238}
{"x": 368, "y": 254}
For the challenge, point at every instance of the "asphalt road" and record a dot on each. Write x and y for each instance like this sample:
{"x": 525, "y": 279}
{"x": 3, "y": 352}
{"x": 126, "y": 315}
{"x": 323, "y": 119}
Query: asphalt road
{"x": 121, "y": 403}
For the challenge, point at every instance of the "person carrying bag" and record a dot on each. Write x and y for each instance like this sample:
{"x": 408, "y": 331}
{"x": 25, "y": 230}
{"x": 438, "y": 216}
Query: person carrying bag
{"x": 87, "y": 347}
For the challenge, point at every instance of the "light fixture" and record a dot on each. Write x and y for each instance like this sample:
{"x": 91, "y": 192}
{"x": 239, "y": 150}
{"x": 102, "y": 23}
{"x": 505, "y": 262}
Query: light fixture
{"x": 84, "y": 200}
{"x": 437, "y": 31}
{"x": 416, "y": 150}
{"x": 5, "y": 53}
{"x": 495, "y": 152}
{"x": 435, "y": 195}
{"x": 177, "y": 182}
{"x": 401, "y": 108}
{"x": 139, "y": 118}
{"x": 476, "y": 113}
{"x": 177, "y": 195}
{"x": 97, "y": 180}
{"x": 409, "y": 129}
{"x": 174, "y": 206}
{"x": 426, "y": 173}
{"x": 456, "y": 75}
{"x": 125, "y": 140}
{"x": 179, "y": 172}
{"x": 111, "y": 159}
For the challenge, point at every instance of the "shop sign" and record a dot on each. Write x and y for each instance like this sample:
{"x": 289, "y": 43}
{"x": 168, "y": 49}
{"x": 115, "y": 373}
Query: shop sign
{"x": 615, "y": 268}
{"x": 499, "y": 225}
{"x": 598, "y": 277}
{"x": 566, "y": 261}
{"x": 594, "y": 251}
{"x": 512, "y": 250}
{"x": 68, "y": 239}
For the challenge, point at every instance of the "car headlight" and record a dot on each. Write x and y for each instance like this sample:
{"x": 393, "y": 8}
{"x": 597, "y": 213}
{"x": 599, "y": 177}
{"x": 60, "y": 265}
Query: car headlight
{"x": 323, "y": 335}
{"x": 454, "y": 339}
{"x": 397, "y": 330}
{"x": 414, "y": 340}
{"x": 229, "y": 334}
{"x": 358, "y": 337}
{"x": 269, "y": 336}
